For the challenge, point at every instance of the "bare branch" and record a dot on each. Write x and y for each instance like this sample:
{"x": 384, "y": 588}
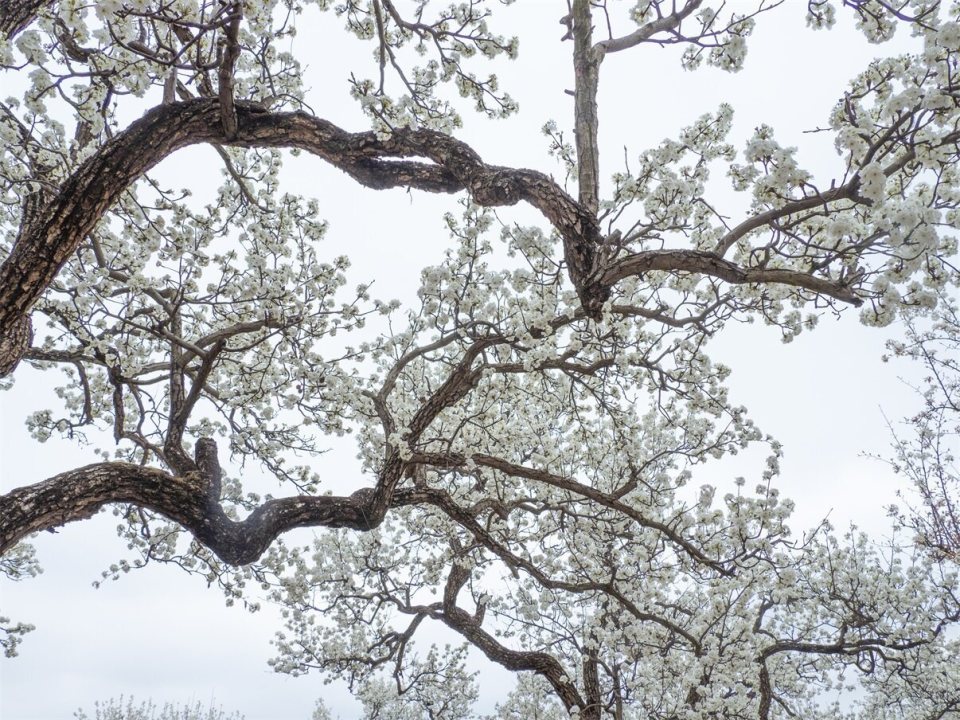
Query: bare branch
{"x": 187, "y": 500}
{"x": 644, "y": 33}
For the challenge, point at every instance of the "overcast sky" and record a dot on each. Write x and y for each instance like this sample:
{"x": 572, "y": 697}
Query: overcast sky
{"x": 159, "y": 633}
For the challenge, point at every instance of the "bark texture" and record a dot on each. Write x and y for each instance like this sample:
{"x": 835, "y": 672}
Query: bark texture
{"x": 586, "y": 65}
{"x": 15, "y": 15}
{"x": 191, "y": 501}
{"x": 14, "y": 343}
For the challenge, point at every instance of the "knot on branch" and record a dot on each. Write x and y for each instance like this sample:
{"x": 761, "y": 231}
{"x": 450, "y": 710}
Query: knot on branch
{"x": 592, "y": 297}
{"x": 364, "y": 501}
{"x": 363, "y": 497}
{"x": 14, "y": 342}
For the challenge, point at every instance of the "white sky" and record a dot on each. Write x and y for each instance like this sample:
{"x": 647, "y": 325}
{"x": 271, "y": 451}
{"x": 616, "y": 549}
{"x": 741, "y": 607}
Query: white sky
{"x": 159, "y": 633}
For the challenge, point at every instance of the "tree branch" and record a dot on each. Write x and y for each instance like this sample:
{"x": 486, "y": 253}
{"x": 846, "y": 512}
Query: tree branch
{"x": 564, "y": 483}
{"x": 545, "y": 665}
{"x": 586, "y": 65}
{"x": 372, "y": 161}
{"x": 467, "y": 520}
{"x": 231, "y": 51}
{"x": 15, "y": 15}
{"x": 706, "y": 263}
{"x": 642, "y": 34}
{"x": 191, "y": 501}
{"x": 844, "y": 192}
{"x": 49, "y": 237}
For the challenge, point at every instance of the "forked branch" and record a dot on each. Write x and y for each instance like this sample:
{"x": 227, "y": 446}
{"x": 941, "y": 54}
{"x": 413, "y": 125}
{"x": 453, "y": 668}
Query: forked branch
{"x": 191, "y": 501}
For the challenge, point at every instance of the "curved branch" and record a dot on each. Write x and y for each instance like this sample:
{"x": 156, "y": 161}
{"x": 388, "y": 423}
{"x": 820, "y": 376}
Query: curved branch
{"x": 469, "y": 627}
{"x": 188, "y": 500}
{"x": 373, "y": 161}
{"x": 845, "y": 192}
{"x": 466, "y": 519}
{"x": 53, "y": 235}
{"x": 707, "y": 263}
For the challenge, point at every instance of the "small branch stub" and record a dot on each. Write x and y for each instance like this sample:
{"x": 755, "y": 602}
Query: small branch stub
{"x": 208, "y": 465}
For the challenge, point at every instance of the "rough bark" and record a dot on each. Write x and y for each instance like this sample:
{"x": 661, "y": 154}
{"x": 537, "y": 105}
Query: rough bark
{"x": 47, "y": 242}
{"x": 591, "y": 686}
{"x": 228, "y": 111}
{"x": 15, "y": 15}
{"x": 586, "y": 65}
{"x": 585, "y": 257}
{"x": 190, "y": 500}
{"x": 14, "y": 342}
{"x": 191, "y": 497}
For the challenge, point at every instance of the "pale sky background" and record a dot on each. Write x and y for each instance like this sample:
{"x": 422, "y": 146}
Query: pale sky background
{"x": 159, "y": 633}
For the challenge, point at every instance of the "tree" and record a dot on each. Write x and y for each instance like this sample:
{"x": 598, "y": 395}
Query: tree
{"x": 926, "y": 456}
{"x": 530, "y": 428}
{"x": 116, "y": 709}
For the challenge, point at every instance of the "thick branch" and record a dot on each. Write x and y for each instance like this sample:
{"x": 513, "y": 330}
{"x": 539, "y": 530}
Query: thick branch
{"x": 46, "y": 243}
{"x": 15, "y": 15}
{"x": 15, "y": 341}
{"x": 591, "y": 686}
{"x": 587, "y": 58}
{"x": 492, "y": 185}
{"x": 189, "y": 501}
{"x": 517, "y": 660}
{"x": 17, "y": 335}
{"x": 586, "y": 67}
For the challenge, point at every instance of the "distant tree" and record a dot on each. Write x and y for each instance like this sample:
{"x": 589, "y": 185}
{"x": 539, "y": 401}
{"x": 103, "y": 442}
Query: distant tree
{"x": 926, "y": 453}
{"x": 529, "y": 428}
{"x": 117, "y": 709}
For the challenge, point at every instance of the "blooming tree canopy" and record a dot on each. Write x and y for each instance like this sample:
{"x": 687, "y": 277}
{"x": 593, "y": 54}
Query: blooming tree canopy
{"x": 528, "y": 429}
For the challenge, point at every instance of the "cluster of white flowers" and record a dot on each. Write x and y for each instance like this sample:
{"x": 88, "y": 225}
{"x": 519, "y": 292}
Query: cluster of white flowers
{"x": 873, "y": 183}
{"x": 414, "y": 98}
{"x": 728, "y": 46}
